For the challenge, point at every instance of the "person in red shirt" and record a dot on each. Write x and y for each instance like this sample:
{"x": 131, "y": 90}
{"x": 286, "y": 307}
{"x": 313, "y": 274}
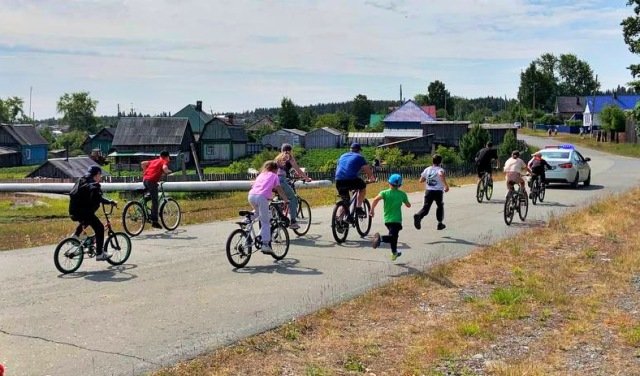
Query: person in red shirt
{"x": 151, "y": 173}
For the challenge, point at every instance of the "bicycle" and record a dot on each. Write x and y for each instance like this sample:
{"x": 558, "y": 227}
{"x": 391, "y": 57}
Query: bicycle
{"x": 538, "y": 190}
{"x": 343, "y": 217}
{"x": 280, "y": 211}
{"x": 516, "y": 201}
{"x": 137, "y": 213}
{"x": 243, "y": 241}
{"x": 70, "y": 252}
{"x": 485, "y": 187}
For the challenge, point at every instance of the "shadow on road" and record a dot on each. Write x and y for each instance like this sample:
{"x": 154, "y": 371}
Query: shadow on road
{"x": 312, "y": 240}
{"x": 452, "y": 240}
{"x": 118, "y": 273}
{"x": 592, "y": 187}
{"x": 175, "y": 234}
{"x": 288, "y": 266}
{"x": 552, "y": 203}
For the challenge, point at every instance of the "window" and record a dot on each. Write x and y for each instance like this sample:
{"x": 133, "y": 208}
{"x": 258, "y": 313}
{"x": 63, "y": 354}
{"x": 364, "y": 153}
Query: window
{"x": 26, "y": 153}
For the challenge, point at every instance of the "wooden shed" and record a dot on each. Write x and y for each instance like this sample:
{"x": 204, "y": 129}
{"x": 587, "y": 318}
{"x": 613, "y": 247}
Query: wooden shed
{"x": 294, "y": 137}
{"x": 64, "y": 168}
{"x": 324, "y": 137}
{"x": 101, "y": 141}
{"x": 142, "y": 138}
{"x": 9, "y": 157}
{"x": 446, "y": 133}
{"x": 24, "y": 139}
{"x": 498, "y": 131}
{"x": 222, "y": 142}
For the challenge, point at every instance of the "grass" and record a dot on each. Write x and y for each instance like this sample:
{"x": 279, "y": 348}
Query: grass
{"x": 540, "y": 310}
{"x": 628, "y": 150}
{"x": 8, "y": 173}
{"x": 19, "y": 212}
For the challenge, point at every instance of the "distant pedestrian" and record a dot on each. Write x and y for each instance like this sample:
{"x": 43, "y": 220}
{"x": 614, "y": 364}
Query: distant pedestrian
{"x": 393, "y": 198}
{"x": 436, "y": 185}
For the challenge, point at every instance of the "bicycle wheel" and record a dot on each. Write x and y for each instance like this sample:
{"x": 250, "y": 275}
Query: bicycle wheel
{"x": 238, "y": 248}
{"x": 68, "y": 255}
{"x": 488, "y": 188}
{"x": 363, "y": 224}
{"x": 542, "y": 190}
{"x": 170, "y": 214}
{"x": 480, "y": 190}
{"x": 279, "y": 241}
{"x": 133, "y": 218}
{"x": 119, "y": 245}
{"x": 535, "y": 189}
{"x": 508, "y": 210}
{"x": 523, "y": 206}
{"x": 303, "y": 217}
{"x": 339, "y": 223}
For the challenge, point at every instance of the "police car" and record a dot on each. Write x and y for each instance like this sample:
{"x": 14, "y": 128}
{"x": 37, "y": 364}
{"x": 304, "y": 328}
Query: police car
{"x": 569, "y": 165}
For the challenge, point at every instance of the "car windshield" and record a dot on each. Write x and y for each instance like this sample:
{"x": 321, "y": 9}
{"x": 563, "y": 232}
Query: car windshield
{"x": 555, "y": 154}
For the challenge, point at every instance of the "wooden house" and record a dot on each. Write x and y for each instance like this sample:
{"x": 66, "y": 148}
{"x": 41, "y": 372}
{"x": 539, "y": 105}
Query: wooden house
{"x": 100, "y": 141}
{"x": 446, "y": 133}
{"x": 142, "y": 138}
{"x": 262, "y": 124}
{"x": 64, "y": 168}
{"x": 596, "y": 104}
{"x": 197, "y": 117}
{"x": 294, "y": 137}
{"x": 9, "y": 157}
{"x": 408, "y": 117}
{"x": 26, "y": 141}
{"x": 325, "y": 137}
{"x": 570, "y": 108}
{"x": 221, "y": 142}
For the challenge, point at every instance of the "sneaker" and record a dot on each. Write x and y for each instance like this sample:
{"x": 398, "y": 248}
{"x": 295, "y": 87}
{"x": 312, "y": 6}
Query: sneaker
{"x": 156, "y": 225}
{"x": 394, "y": 256}
{"x": 104, "y": 256}
{"x": 441, "y": 226}
{"x": 416, "y": 221}
{"x": 375, "y": 243}
{"x": 360, "y": 212}
{"x": 531, "y": 195}
{"x": 266, "y": 249}
{"x": 294, "y": 226}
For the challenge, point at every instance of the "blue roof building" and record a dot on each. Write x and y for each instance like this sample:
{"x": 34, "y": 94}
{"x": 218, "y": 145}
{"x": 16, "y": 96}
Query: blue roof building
{"x": 595, "y": 105}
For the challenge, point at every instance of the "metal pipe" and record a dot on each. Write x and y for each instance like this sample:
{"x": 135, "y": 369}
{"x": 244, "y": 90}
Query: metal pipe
{"x": 183, "y": 186}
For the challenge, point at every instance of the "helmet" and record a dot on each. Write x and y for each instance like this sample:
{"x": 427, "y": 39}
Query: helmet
{"x": 286, "y": 147}
{"x": 356, "y": 146}
{"x": 395, "y": 180}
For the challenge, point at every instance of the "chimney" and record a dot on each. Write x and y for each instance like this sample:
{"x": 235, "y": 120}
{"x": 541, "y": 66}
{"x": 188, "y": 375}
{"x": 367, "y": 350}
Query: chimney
{"x": 230, "y": 118}
{"x": 199, "y": 106}
{"x": 578, "y": 101}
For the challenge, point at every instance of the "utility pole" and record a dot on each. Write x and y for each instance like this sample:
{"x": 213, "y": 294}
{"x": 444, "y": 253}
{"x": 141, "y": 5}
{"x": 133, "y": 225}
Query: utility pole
{"x": 30, "y": 93}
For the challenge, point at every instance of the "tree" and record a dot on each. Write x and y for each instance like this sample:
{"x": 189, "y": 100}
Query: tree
{"x": 478, "y": 116}
{"x": 438, "y": 96}
{"x": 631, "y": 33}
{"x": 10, "y": 108}
{"x": 575, "y": 77}
{"x": 78, "y": 111}
{"x": 288, "y": 114}
{"x": 537, "y": 88}
{"x": 613, "y": 120}
{"x": 472, "y": 142}
{"x": 307, "y": 118}
{"x": 72, "y": 141}
{"x": 509, "y": 144}
{"x": 362, "y": 110}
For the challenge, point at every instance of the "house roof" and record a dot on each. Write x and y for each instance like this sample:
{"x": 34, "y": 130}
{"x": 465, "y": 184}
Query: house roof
{"x": 150, "y": 131}
{"x": 573, "y": 104}
{"x": 5, "y": 151}
{"x": 599, "y": 102}
{"x": 295, "y": 131}
{"x": 409, "y": 112}
{"x": 333, "y": 131}
{"x": 74, "y": 167}
{"x": 197, "y": 119}
{"x": 390, "y": 132}
{"x": 430, "y": 110}
{"x": 25, "y": 134}
{"x": 264, "y": 122}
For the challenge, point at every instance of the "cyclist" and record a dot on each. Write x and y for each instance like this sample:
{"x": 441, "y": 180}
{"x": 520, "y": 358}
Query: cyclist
{"x": 538, "y": 166}
{"x": 259, "y": 196}
{"x": 84, "y": 199}
{"x": 286, "y": 162}
{"x": 152, "y": 172}
{"x": 484, "y": 158}
{"x": 513, "y": 169}
{"x": 347, "y": 176}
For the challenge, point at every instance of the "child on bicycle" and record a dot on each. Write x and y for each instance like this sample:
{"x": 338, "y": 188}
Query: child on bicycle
{"x": 259, "y": 196}
{"x": 538, "y": 166}
{"x": 286, "y": 161}
{"x": 393, "y": 200}
{"x": 84, "y": 199}
{"x": 513, "y": 169}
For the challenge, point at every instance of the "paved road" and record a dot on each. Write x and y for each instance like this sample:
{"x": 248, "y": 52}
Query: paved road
{"x": 179, "y": 297}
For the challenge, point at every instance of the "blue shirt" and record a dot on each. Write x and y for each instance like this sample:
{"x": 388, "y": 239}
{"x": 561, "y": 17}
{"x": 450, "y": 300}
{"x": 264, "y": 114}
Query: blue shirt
{"x": 349, "y": 165}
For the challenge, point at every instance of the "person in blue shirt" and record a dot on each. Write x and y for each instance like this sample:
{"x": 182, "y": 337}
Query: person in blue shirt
{"x": 350, "y": 164}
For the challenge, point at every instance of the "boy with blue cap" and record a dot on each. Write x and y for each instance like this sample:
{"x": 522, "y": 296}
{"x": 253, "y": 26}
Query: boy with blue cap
{"x": 393, "y": 200}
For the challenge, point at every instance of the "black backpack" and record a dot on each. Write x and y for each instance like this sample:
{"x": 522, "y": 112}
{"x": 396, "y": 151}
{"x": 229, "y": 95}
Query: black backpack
{"x": 79, "y": 197}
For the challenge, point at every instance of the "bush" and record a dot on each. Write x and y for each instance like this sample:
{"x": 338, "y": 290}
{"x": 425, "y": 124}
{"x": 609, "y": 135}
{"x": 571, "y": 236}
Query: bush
{"x": 259, "y": 159}
{"x": 509, "y": 144}
{"x": 238, "y": 167}
{"x": 472, "y": 142}
{"x": 394, "y": 158}
{"x": 574, "y": 123}
{"x": 450, "y": 156}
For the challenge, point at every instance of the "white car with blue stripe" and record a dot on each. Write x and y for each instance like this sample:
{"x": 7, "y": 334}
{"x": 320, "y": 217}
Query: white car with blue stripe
{"x": 569, "y": 165}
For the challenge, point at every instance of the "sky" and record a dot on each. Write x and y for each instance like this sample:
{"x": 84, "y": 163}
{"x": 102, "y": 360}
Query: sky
{"x": 156, "y": 56}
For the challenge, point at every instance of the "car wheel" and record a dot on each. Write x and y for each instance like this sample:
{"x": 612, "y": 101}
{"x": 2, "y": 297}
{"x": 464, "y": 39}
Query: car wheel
{"x": 588, "y": 181}
{"x": 575, "y": 181}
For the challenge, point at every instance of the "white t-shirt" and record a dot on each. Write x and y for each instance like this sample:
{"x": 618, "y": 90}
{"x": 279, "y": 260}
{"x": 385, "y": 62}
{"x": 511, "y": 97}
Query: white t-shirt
{"x": 433, "y": 178}
{"x": 515, "y": 166}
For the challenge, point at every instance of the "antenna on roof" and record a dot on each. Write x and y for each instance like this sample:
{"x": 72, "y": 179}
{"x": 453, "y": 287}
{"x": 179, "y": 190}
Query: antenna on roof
{"x": 401, "y": 101}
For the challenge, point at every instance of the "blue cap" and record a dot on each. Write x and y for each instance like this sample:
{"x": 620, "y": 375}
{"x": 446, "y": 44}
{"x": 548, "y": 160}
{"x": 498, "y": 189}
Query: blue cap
{"x": 395, "y": 179}
{"x": 356, "y": 146}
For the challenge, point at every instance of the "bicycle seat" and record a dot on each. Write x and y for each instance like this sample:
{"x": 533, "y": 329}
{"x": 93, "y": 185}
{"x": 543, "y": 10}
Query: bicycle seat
{"x": 245, "y": 213}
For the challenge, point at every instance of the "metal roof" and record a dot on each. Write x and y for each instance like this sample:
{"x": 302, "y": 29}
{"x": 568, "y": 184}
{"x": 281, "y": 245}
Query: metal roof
{"x": 372, "y": 135}
{"x": 74, "y": 167}
{"x": 390, "y": 132}
{"x": 333, "y": 131}
{"x": 599, "y": 102}
{"x": 572, "y": 104}
{"x": 409, "y": 112}
{"x": 150, "y": 131}
{"x": 4, "y": 151}
{"x": 25, "y": 134}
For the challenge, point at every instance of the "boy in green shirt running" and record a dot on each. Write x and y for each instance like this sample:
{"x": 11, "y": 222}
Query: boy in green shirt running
{"x": 393, "y": 200}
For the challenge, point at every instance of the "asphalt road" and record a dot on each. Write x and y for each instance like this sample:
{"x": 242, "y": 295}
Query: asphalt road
{"x": 178, "y": 296}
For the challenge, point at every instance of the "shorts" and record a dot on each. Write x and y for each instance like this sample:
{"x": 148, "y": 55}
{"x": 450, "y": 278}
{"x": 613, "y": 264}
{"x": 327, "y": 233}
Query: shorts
{"x": 346, "y": 185}
{"x": 514, "y": 178}
{"x": 482, "y": 169}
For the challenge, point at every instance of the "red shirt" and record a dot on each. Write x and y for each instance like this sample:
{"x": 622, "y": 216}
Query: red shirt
{"x": 154, "y": 170}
